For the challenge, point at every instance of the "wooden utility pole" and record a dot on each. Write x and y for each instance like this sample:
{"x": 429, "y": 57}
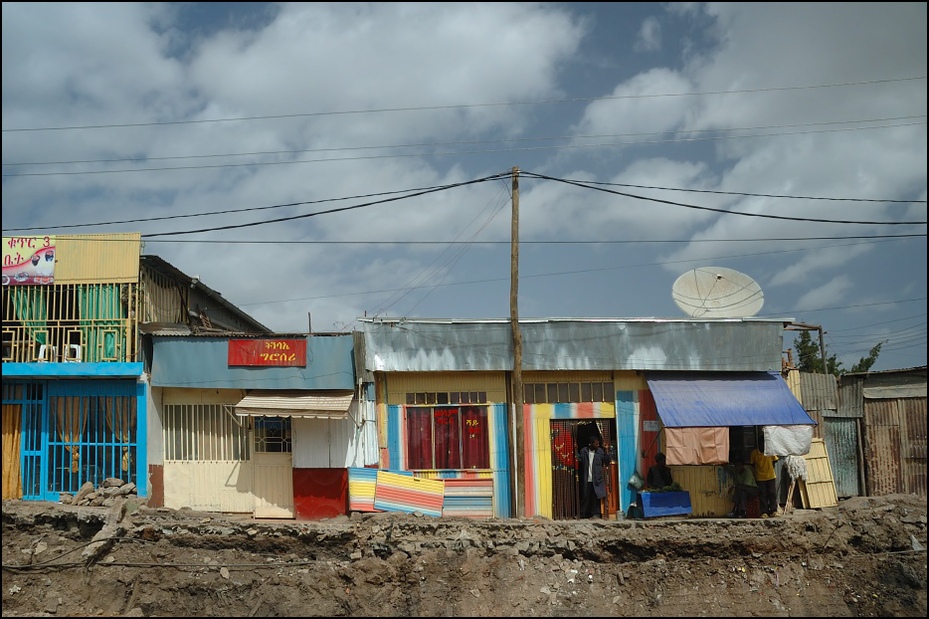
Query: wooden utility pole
{"x": 519, "y": 474}
{"x": 822, "y": 350}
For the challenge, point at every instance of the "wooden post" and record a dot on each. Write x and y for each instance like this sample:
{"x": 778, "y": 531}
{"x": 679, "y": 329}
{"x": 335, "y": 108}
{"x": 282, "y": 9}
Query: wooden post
{"x": 519, "y": 475}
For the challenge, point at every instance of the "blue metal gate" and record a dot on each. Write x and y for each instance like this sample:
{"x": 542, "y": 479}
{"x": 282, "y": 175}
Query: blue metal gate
{"x": 74, "y": 431}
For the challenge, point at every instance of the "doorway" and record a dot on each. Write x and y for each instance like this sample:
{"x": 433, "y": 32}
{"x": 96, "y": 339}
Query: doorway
{"x": 567, "y": 437}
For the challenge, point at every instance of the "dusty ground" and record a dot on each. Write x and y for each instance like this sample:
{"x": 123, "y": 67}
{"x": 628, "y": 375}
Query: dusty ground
{"x": 866, "y": 557}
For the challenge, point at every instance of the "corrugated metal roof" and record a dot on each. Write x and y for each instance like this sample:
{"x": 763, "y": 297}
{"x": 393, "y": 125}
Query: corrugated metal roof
{"x": 436, "y": 345}
{"x": 915, "y": 369}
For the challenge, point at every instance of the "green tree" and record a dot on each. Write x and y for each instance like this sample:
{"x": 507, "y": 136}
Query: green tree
{"x": 864, "y": 364}
{"x": 810, "y": 358}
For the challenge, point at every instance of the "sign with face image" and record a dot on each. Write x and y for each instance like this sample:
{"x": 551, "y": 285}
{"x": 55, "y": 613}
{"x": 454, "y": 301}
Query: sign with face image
{"x": 28, "y": 260}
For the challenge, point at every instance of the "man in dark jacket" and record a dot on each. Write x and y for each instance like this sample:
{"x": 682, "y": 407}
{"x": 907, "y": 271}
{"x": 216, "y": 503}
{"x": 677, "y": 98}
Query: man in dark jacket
{"x": 590, "y": 463}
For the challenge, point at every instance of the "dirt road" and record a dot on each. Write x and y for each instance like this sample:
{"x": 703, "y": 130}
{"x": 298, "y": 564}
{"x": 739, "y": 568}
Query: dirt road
{"x": 865, "y": 557}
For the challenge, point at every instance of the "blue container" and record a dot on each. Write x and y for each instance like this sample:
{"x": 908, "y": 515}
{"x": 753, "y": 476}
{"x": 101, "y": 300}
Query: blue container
{"x": 656, "y": 504}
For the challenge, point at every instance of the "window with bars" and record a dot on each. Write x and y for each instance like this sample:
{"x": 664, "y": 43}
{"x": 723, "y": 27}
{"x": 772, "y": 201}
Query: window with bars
{"x": 204, "y": 432}
{"x": 447, "y": 397}
{"x": 90, "y": 438}
{"x": 273, "y": 435}
{"x": 567, "y": 392}
{"x": 69, "y": 323}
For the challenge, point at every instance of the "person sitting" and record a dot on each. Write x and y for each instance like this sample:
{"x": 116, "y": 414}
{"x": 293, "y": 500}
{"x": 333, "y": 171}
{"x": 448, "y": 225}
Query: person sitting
{"x": 744, "y": 487}
{"x": 659, "y": 474}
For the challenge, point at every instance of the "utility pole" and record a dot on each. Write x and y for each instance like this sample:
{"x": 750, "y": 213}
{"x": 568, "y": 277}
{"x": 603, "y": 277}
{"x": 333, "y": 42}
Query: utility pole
{"x": 519, "y": 475}
{"x": 822, "y": 350}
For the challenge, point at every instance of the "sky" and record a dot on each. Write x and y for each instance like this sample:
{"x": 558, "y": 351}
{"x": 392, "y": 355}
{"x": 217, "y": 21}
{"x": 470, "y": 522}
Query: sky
{"x": 320, "y": 163}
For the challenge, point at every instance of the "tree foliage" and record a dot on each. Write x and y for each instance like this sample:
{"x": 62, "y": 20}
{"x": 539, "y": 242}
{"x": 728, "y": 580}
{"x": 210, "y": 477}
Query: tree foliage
{"x": 810, "y": 358}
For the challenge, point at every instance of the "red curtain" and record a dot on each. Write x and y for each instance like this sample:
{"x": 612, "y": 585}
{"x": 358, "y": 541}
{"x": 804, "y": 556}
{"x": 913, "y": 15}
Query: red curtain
{"x": 447, "y": 438}
{"x": 460, "y": 440}
{"x": 419, "y": 438}
{"x": 475, "y": 448}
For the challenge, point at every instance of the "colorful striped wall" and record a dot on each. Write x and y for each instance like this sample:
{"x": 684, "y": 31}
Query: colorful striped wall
{"x": 405, "y": 493}
{"x": 466, "y": 494}
{"x": 498, "y": 436}
{"x": 538, "y": 447}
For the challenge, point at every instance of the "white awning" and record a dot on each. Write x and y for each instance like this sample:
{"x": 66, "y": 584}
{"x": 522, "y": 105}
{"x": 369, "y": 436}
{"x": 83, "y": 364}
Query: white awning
{"x": 318, "y": 404}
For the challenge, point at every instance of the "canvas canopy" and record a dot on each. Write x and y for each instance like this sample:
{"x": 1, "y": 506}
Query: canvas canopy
{"x": 717, "y": 399}
{"x": 316, "y": 404}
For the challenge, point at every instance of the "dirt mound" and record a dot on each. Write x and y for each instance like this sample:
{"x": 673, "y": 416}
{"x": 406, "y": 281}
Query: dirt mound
{"x": 865, "y": 557}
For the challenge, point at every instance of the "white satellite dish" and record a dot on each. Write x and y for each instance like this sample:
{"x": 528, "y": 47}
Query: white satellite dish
{"x": 717, "y": 292}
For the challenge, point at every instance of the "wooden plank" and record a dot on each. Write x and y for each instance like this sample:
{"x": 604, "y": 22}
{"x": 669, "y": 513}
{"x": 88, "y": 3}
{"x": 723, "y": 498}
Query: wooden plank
{"x": 819, "y": 488}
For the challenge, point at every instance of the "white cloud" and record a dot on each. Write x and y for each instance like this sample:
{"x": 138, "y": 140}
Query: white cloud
{"x": 649, "y": 36}
{"x": 349, "y": 99}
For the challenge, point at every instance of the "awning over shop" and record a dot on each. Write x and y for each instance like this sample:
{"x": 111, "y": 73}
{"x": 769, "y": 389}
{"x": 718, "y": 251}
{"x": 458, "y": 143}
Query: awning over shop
{"x": 318, "y": 404}
{"x": 713, "y": 399}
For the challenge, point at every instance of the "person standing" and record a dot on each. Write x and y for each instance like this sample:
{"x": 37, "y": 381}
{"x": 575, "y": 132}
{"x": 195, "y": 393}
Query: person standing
{"x": 743, "y": 488}
{"x": 591, "y": 460}
{"x": 767, "y": 480}
{"x": 659, "y": 474}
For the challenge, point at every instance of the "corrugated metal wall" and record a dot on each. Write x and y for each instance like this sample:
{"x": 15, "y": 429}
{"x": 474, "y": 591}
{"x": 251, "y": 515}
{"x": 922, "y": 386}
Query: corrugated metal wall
{"x": 841, "y": 438}
{"x": 708, "y": 486}
{"x": 98, "y": 258}
{"x": 882, "y": 447}
{"x": 838, "y": 426}
{"x": 819, "y": 396}
{"x": 892, "y": 428}
{"x": 895, "y": 446}
{"x": 914, "y": 447}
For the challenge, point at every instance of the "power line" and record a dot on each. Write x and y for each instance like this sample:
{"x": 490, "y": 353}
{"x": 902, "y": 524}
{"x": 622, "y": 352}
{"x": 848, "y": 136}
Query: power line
{"x": 433, "y": 189}
{"x": 461, "y": 142}
{"x": 724, "y": 211}
{"x": 464, "y": 106}
{"x": 457, "y": 153}
{"x": 545, "y": 242}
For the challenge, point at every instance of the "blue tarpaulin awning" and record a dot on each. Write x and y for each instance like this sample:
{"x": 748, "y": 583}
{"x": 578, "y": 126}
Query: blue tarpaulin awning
{"x": 715, "y": 399}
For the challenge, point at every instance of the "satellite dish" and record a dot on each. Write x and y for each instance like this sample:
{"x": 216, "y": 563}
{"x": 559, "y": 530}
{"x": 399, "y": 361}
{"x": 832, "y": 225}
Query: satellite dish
{"x": 717, "y": 292}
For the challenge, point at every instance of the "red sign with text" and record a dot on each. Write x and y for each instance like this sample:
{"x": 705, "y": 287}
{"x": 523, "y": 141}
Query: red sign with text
{"x": 287, "y": 353}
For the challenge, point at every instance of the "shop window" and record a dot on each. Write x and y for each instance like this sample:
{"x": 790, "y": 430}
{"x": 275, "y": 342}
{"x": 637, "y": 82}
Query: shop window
{"x": 447, "y": 437}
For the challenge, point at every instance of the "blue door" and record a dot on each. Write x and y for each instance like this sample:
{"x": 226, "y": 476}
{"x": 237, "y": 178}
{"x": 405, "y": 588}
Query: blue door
{"x": 77, "y": 431}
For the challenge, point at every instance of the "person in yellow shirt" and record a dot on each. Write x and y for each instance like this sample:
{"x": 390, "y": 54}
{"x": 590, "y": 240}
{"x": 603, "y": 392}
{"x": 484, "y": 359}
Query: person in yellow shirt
{"x": 766, "y": 479}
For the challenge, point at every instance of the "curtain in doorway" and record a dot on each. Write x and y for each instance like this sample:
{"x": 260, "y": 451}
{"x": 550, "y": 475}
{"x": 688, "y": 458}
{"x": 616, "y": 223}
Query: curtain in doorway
{"x": 72, "y": 419}
{"x": 120, "y": 420}
{"x": 12, "y": 432}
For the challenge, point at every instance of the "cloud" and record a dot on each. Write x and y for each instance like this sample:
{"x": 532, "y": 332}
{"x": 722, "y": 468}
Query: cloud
{"x": 649, "y": 36}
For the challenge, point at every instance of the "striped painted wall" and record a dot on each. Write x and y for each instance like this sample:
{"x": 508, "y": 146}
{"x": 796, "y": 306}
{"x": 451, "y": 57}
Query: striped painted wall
{"x": 467, "y": 494}
{"x": 469, "y": 498}
{"x": 405, "y": 493}
{"x": 499, "y": 453}
{"x": 538, "y": 444}
{"x": 631, "y": 389}
{"x": 627, "y": 443}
